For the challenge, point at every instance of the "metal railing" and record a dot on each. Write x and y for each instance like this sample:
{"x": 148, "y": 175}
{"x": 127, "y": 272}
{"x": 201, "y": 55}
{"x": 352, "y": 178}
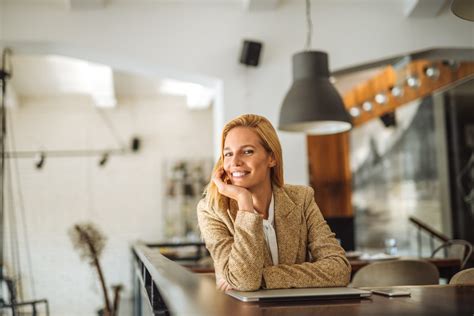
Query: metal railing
{"x": 432, "y": 232}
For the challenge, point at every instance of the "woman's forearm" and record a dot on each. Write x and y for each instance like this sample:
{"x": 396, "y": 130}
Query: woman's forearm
{"x": 238, "y": 256}
{"x": 327, "y": 272}
{"x": 243, "y": 265}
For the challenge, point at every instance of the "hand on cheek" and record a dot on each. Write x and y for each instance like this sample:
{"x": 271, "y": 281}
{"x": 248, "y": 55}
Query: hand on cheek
{"x": 240, "y": 194}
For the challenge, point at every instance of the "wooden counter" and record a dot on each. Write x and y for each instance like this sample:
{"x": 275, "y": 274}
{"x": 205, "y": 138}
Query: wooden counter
{"x": 164, "y": 287}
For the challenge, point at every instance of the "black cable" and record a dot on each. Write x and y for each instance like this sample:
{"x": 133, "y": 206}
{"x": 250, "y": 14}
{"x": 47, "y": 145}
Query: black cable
{"x": 309, "y": 25}
{"x": 110, "y": 126}
{"x": 16, "y": 273}
{"x": 4, "y": 75}
{"x": 21, "y": 206}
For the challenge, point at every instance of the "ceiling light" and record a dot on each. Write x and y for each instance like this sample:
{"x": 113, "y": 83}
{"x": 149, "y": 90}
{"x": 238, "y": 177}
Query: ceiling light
{"x": 413, "y": 82}
{"x": 354, "y": 111}
{"x": 397, "y": 91}
{"x": 381, "y": 98}
{"x": 432, "y": 72}
{"x": 367, "y": 106}
{"x": 313, "y": 105}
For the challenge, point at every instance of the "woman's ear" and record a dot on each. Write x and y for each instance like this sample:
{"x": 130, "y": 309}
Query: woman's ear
{"x": 272, "y": 160}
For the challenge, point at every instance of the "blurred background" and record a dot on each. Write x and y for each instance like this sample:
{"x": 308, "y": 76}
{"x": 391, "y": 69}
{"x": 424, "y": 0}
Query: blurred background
{"x": 113, "y": 113}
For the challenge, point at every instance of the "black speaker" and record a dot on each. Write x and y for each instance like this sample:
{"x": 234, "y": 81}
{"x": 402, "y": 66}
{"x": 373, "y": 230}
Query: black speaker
{"x": 250, "y": 53}
{"x": 135, "y": 144}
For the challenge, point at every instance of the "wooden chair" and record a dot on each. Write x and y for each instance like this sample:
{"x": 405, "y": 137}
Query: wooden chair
{"x": 463, "y": 277}
{"x": 396, "y": 272}
{"x": 458, "y": 248}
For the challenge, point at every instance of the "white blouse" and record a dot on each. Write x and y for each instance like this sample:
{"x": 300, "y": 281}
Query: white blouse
{"x": 270, "y": 234}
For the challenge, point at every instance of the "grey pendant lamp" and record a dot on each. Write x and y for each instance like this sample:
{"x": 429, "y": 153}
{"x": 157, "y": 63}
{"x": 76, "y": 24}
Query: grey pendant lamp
{"x": 463, "y": 9}
{"x": 313, "y": 105}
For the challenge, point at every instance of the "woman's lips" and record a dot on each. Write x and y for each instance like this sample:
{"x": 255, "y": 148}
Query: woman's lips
{"x": 239, "y": 174}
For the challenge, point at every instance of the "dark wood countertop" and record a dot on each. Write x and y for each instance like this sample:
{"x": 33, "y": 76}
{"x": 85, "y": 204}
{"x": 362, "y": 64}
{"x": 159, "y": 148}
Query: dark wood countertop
{"x": 187, "y": 293}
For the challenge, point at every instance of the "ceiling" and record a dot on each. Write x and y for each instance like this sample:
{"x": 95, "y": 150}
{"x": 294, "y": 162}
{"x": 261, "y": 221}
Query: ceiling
{"x": 98, "y": 4}
{"x": 53, "y": 76}
{"x": 60, "y": 75}
{"x": 411, "y": 8}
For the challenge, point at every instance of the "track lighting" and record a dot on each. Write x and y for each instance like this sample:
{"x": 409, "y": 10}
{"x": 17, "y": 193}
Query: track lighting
{"x": 354, "y": 111}
{"x": 389, "y": 119}
{"x": 367, "y": 106}
{"x": 432, "y": 72}
{"x": 39, "y": 160}
{"x": 452, "y": 64}
{"x": 381, "y": 98}
{"x": 397, "y": 91}
{"x": 103, "y": 160}
{"x": 413, "y": 82}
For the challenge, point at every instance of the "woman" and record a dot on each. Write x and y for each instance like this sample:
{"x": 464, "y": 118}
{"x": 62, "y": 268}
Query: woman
{"x": 262, "y": 233}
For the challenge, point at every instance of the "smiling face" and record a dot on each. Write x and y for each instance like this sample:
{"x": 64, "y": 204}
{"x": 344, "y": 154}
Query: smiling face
{"x": 246, "y": 162}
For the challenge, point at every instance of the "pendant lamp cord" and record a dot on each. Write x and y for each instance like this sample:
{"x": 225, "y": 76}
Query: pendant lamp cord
{"x": 309, "y": 25}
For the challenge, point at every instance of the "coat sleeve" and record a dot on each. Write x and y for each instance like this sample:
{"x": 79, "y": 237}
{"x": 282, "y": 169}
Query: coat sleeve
{"x": 237, "y": 258}
{"x": 329, "y": 266}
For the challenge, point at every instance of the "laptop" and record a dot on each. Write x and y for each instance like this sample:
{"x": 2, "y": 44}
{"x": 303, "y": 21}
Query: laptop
{"x": 306, "y": 294}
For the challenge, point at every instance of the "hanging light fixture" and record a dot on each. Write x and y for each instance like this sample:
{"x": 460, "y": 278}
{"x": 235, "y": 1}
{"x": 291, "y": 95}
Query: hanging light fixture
{"x": 463, "y": 9}
{"x": 313, "y": 105}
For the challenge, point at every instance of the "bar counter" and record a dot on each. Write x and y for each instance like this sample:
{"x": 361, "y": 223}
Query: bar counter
{"x": 163, "y": 287}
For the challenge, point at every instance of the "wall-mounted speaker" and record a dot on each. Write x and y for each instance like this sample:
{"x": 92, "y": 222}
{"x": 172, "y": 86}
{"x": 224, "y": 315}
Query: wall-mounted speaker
{"x": 250, "y": 54}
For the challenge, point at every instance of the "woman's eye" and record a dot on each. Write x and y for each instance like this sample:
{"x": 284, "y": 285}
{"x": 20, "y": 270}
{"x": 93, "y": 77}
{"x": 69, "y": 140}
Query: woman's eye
{"x": 248, "y": 151}
{"x": 227, "y": 154}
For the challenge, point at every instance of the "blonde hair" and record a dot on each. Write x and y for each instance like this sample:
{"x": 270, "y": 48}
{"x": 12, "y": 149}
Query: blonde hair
{"x": 269, "y": 140}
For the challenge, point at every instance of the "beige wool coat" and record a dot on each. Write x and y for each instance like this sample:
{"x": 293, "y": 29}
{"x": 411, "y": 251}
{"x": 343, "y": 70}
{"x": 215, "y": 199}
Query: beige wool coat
{"x": 309, "y": 254}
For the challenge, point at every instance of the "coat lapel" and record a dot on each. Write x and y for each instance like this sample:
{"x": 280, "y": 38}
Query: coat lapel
{"x": 287, "y": 226}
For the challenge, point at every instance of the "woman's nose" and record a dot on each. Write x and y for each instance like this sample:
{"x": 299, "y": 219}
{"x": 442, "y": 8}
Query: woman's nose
{"x": 236, "y": 161}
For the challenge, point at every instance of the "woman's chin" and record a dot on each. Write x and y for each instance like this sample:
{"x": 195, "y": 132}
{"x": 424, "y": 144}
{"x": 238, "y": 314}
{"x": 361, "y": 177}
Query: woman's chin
{"x": 239, "y": 183}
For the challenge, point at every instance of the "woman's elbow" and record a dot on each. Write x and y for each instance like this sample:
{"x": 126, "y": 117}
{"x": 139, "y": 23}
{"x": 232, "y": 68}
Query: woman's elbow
{"x": 246, "y": 283}
{"x": 343, "y": 276}
{"x": 248, "y": 287}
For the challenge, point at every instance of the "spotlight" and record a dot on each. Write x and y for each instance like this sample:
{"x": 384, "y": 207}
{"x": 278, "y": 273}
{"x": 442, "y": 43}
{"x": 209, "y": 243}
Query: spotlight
{"x": 367, "y": 106}
{"x": 135, "y": 144}
{"x": 39, "y": 160}
{"x": 452, "y": 64}
{"x": 103, "y": 160}
{"x": 381, "y": 98}
{"x": 389, "y": 119}
{"x": 354, "y": 111}
{"x": 432, "y": 72}
{"x": 397, "y": 91}
{"x": 413, "y": 82}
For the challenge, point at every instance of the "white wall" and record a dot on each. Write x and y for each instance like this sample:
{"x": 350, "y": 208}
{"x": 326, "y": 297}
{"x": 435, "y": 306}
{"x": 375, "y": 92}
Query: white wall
{"x": 199, "y": 41}
{"x": 124, "y": 198}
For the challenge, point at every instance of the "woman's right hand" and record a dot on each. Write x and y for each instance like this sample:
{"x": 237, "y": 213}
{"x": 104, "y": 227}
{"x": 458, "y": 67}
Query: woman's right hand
{"x": 240, "y": 194}
{"x": 222, "y": 285}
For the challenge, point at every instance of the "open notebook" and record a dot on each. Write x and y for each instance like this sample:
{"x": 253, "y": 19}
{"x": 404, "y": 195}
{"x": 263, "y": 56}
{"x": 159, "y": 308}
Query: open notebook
{"x": 299, "y": 294}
